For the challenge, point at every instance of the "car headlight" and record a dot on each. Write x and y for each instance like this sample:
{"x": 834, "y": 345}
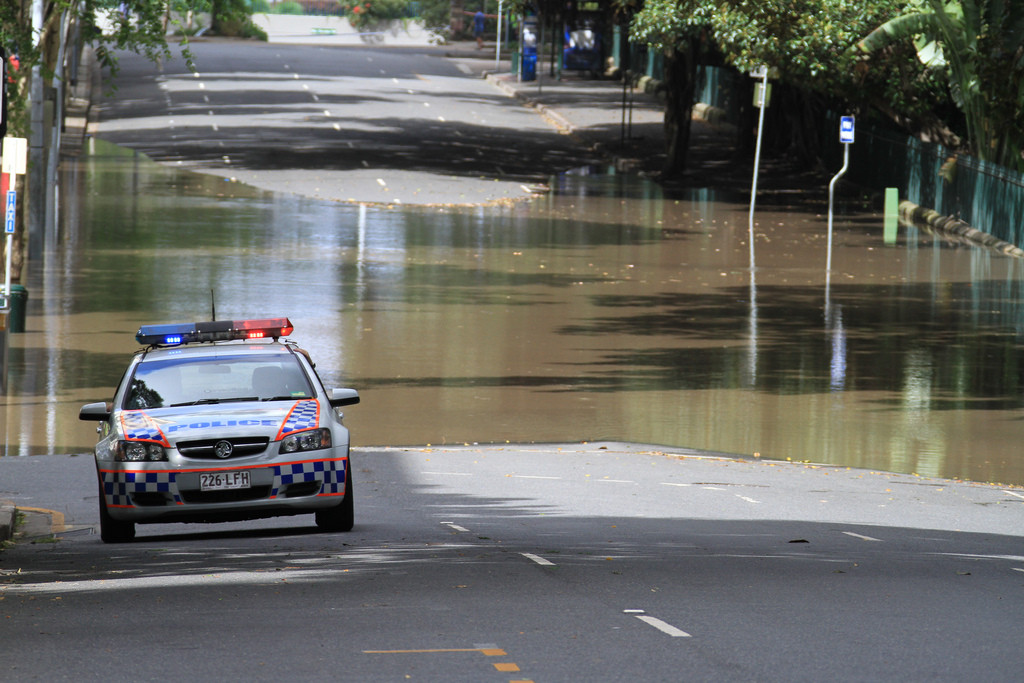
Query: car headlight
{"x": 310, "y": 440}
{"x": 139, "y": 451}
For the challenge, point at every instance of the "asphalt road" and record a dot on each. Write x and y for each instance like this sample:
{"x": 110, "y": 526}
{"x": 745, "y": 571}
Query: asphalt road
{"x": 348, "y": 124}
{"x": 597, "y": 562}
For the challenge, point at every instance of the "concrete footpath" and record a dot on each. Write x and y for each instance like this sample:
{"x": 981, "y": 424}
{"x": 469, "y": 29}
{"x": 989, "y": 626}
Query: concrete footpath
{"x": 624, "y": 124}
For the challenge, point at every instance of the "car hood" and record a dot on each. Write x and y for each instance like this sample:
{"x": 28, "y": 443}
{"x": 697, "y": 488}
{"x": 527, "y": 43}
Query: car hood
{"x": 274, "y": 420}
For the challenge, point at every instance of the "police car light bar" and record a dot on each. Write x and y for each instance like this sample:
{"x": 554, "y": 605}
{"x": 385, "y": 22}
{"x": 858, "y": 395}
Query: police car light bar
{"x": 218, "y": 330}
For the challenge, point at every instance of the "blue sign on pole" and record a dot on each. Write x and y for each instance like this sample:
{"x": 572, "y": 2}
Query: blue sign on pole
{"x": 846, "y": 130}
{"x": 12, "y": 203}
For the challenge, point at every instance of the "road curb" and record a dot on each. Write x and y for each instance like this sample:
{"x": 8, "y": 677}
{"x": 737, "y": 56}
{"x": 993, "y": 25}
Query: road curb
{"x": 8, "y": 514}
{"x": 559, "y": 121}
{"x": 954, "y": 228}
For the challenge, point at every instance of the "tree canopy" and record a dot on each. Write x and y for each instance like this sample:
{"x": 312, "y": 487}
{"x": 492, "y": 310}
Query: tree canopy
{"x": 929, "y": 65}
{"x": 977, "y": 47}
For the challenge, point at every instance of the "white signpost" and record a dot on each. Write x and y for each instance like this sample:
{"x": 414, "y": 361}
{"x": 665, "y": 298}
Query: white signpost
{"x": 761, "y": 103}
{"x": 13, "y": 164}
{"x": 846, "y": 128}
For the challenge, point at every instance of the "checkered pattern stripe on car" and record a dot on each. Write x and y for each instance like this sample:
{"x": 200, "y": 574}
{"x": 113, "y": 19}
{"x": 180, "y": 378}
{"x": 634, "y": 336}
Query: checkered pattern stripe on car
{"x": 303, "y": 415}
{"x": 140, "y": 427}
{"x": 118, "y": 486}
{"x": 331, "y": 472}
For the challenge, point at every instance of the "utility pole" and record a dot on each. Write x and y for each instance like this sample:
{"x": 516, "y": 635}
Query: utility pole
{"x": 37, "y": 189}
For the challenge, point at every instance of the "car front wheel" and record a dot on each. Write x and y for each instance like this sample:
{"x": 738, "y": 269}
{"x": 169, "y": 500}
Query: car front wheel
{"x": 113, "y": 530}
{"x": 341, "y": 517}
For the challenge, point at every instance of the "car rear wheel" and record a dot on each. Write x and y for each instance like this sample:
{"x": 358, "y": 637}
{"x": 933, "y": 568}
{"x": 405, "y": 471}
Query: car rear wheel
{"x": 113, "y": 530}
{"x": 341, "y": 517}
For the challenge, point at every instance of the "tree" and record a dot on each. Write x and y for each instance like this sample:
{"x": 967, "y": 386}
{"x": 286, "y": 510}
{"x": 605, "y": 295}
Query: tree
{"x": 977, "y": 46}
{"x": 678, "y": 29}
{"x": 232, "y": 18}
{"x": 806, "y": 41}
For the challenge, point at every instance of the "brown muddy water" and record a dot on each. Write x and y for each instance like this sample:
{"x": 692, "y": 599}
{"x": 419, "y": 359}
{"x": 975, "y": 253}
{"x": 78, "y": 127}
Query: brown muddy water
{"x": 602, "y": 311}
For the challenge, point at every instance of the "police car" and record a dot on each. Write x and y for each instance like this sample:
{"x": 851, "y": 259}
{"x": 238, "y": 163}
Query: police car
{"x": 221, "y": 421}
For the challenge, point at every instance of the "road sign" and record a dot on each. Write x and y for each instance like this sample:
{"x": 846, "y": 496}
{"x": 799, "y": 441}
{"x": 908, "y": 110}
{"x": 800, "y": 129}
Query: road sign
{"x": 846, "y": 130}
{"x": 12, "y": 204}
{"x": 15, "y": 156}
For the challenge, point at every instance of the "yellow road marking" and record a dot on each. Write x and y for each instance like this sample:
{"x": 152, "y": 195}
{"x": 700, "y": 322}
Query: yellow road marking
{"x": 487, "y": 651}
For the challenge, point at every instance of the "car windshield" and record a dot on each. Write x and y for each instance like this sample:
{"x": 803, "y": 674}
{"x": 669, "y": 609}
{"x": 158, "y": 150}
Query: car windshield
{"x": 216, "y": 379}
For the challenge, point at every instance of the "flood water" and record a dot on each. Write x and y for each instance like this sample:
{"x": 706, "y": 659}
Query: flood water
{"x": 603, "y": 311}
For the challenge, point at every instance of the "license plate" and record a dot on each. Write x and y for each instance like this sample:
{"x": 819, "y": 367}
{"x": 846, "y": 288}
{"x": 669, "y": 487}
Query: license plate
{"x": 222, "y": 481}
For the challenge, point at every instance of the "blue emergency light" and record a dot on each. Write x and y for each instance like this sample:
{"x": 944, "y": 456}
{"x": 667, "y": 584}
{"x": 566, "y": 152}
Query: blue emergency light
{"x": 217, "y": 330}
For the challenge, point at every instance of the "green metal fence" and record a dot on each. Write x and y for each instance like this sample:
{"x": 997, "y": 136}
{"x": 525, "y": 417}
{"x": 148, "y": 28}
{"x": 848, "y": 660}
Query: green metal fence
{"x": 987, "y": 196}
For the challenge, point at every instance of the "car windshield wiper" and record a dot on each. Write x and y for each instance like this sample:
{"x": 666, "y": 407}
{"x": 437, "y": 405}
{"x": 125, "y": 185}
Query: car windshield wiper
{"x": 284, "y": 397}
{"x": 211, "y": 401}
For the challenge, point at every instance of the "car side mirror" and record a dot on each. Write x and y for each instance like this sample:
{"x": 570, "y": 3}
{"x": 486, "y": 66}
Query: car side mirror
{"x": 343, "y": 397}
{"x": 100, "y": 412}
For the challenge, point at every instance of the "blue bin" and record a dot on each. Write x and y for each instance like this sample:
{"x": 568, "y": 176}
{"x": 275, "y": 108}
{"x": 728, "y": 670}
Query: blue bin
{"x": 529, "y": 71}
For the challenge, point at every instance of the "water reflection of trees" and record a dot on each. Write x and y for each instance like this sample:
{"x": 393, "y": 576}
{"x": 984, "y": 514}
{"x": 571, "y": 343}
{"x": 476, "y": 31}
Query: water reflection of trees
{"x": 962, "y": 334}
{"x": 142, "y": 395}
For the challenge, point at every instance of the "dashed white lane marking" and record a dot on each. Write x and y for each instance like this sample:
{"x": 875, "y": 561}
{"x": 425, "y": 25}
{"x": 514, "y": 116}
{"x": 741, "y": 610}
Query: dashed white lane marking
{"x": 464, "y": 68}
{"x": 657, "y": 623}
{"x": 455, "y": 527}
{"x": 538, "y": 559}
{"x": 1012, "y": 558}
{"x": 749, "y": 500}
{"x": 862, "y": 536}
{"x": 668, "y": 483}
{"x": 1013, "y": 493}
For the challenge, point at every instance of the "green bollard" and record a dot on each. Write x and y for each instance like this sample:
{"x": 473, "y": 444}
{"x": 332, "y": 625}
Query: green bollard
{"x": 892, "y": 210}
